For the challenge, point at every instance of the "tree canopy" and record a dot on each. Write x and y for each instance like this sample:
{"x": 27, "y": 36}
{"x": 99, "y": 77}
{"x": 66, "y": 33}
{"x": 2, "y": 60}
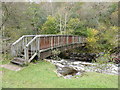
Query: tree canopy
{"x": 97, "y": 21}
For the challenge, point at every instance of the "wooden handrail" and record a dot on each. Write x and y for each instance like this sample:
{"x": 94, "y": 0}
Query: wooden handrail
{"x": 31, "y": 41}
{"x": 22, "y": 38}
{"x": 18, "y": 40}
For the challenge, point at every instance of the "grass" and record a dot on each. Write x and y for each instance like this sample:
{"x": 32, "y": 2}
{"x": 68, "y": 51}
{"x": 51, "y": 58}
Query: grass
{"x": 5, "y": 58}
{"x": 42, "y": 75}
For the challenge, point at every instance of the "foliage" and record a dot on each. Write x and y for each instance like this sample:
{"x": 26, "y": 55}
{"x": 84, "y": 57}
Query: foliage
{"x": 109, "y": 38}
{"x": 55, "y": 53}
{"x": 50, "y": 26}
{"x": 84, "y": 19}
{"x": 103, "y": 40}
{"x": 5, "y": 58}
{"x": 96, "y": 21}
{"x": 21, "y": 19}
{"x": 75, "y": 27}
{"x": 92, "y": 39}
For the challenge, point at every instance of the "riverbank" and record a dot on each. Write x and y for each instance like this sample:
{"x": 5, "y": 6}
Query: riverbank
{"x": 41, "y": 74}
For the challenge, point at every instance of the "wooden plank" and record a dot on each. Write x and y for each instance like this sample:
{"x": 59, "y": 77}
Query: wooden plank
{"x": 32, "y": 57}
{"x": 18, "y": 40}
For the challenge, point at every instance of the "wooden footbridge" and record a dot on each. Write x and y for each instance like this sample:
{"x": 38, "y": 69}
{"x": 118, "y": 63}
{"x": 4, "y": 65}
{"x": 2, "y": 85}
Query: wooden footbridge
{"x": 27, "y": 47}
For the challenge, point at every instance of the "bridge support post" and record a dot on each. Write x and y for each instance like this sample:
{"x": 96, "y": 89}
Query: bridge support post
{"x": 51, "y": 45}
{"x": 26, "y": 55}
{"x": 38, "y": 46}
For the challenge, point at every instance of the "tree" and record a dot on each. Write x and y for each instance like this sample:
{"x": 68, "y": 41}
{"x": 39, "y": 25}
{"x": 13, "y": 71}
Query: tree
{"x": 50, "y": 26}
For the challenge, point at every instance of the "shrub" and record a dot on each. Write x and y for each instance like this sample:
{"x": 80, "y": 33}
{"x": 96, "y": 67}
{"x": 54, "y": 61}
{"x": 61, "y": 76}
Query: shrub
{"x": 55, "y": 53}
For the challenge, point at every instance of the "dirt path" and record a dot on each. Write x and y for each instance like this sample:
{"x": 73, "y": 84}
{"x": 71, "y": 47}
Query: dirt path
{"x": 11, "y": 67}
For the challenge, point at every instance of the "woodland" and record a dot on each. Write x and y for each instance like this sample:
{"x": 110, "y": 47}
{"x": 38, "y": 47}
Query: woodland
{"x": 96, "y": 21}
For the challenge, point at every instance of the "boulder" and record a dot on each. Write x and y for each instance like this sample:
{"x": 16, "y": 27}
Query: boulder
{"x": 76, "y": 63}
{"x": 68, "y": 76}
{"x": 66, "y": 71}
{"x": 59, "y": 65}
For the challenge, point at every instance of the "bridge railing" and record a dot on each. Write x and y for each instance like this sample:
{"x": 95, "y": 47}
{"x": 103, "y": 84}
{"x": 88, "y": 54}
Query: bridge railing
{"x": 56, "y": 41}
{"x": 31, "y": 49}
{"x": 18, "y": 46}
{"x": 41, "y": 43}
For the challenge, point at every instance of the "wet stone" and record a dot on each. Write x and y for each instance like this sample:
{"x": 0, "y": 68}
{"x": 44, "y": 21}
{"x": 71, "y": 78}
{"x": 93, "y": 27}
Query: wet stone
{"x": 65, "y": 67}
{"x": 66, "y": 71}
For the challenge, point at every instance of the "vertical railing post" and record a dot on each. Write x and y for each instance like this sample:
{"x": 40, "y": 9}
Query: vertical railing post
{"x": 17, "y": 49}
{"x": 58, "y": 40}
{"x": 54, "y": 41}
{"x": 79, "y": 39}
{"x": 73, "y": 39}
{"x": 67, "y": 39}
{"x": 51, "y": 42}
{"x": 26, "y": 54}
{"x": 38, "y": 47}
{"x": 31, "y": 49}
{"x": 13, "y": 49}
{"x": 61, "y": 40}
{"x": 23, "y": 42}
{"x": 38, "y": 43}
